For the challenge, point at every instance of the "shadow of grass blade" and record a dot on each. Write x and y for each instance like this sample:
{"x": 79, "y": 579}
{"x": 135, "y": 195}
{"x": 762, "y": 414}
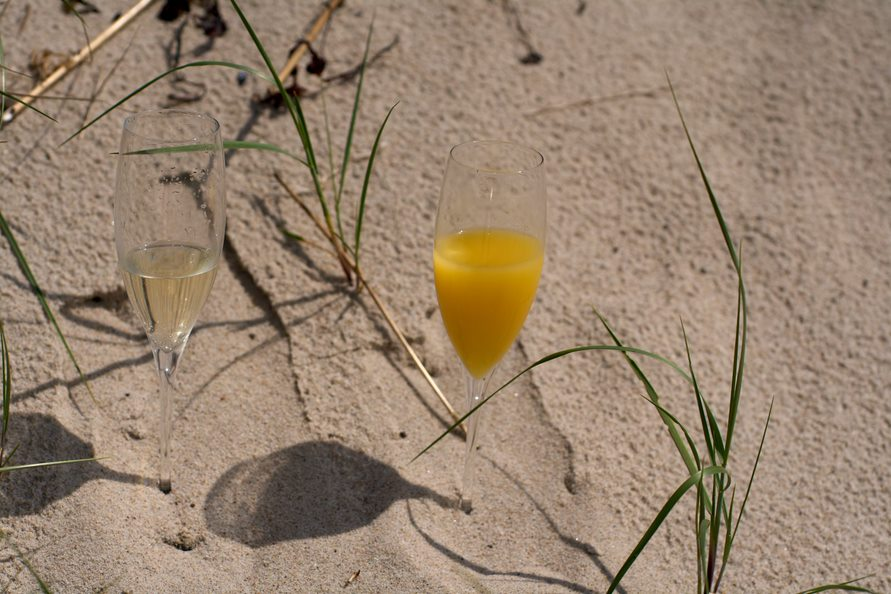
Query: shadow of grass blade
{"x": 349, "y": 139}
{"x": 38, "y": 292}
{"x": 227, "y": 145}
{"x": 368, "y": 170}
{"x": 542, "y": 361}
{"x": 143, "y": 87}
{"x": 6, "y": 95}
{"x": 692, "y": 480}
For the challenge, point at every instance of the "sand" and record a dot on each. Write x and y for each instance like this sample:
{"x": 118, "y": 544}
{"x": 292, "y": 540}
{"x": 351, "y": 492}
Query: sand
{"x": 298, "y": 413}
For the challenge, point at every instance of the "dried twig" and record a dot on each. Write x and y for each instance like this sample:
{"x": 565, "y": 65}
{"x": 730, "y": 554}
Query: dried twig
{"x": 78, "y": 58}
{"x": 317, "y": 27}
{"x": 374, "y": 296}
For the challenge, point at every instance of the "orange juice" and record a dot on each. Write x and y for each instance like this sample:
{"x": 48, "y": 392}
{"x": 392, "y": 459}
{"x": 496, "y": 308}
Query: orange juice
{"x": 485, "y": 282}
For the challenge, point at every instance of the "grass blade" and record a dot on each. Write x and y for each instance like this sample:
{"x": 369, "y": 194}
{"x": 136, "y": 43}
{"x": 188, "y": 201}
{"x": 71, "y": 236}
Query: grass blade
{"x": 349, "y": 139}
{"x": 143, "y": 87}
{"x": 332, "y": 177}
{"x": 672, "y": 430}
{"x": 296, "y": 112}
{"x": 706, "y": 431}
{"x": 692, "y": 480}
{"x": 6, "y": 95}
{"x": 9, "y": 457}
{"x": 6, "y": 373}
{"x": 742, "y": 507}
{"x": 739, "y": 362}
{"x": 708, "y": 187}
{"x": 83, "y": 25}
{"x": 227, "y": 145}
{"x": 368, "y": 169}
{"x": 740, "y": 342}
{"x": 844, "y": 587}
{"x": 689, "y": 439}
{"x": 43, "y": 586}
{"x": 38, "y": 292}
{"x": 2, "y": 83}
{"x": 45, "y": 464}
{"x": 543, "y": 360}
{"x": 293, "y": 236}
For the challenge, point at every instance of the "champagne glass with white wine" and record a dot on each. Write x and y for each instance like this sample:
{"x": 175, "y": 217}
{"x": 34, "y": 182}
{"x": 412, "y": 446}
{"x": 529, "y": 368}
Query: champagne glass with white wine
{"x": 487, "y": 258}
{"x": 169, "y": 223}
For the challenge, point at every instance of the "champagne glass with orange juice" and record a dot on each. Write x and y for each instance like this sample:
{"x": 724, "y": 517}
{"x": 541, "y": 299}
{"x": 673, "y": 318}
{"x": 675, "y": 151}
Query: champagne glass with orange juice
{"x": 487, "y": 259}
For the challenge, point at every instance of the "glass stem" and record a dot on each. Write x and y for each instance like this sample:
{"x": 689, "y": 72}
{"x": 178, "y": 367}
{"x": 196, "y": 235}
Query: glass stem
{"x": 166, "y": 362}
{"x": 476, "y": 389}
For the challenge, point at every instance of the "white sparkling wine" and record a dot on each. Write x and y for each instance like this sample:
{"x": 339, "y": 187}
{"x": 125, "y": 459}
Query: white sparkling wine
{"x": 168, "y": 285}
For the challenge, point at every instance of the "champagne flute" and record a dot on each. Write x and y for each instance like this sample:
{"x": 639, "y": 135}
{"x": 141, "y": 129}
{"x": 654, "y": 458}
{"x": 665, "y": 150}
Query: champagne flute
{"x": 169, "y": 222}
{"x": 487, "y": 258}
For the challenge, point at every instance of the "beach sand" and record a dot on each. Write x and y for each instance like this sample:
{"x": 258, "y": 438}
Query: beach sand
{"x": 298, "y": 413}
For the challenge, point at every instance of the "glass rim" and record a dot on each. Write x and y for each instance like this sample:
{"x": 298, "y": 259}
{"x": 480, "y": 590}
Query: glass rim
{"x": 130, "y": 121}
{"x": 537, "y": 157}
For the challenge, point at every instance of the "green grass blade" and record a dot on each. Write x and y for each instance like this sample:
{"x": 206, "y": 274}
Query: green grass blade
{"x": 5, "y": 461}
{"x": 43, "y": 586}
{"x": 692, "y": 480}
{"x": 543, "y": 360}
{"x": 291, "y": 235}
{"x": 711, "y": 429}
{"x": 736, "y": 379}
{"x": 706, "y": 431}
{"x": 332, "y": 176}
{"x": 294, "y": 109}
{"x": 38, "y": 292}
{"x": 45, "y": 464}
{"x": 651, "y": 391}
{"x": 708, "y": 187}
{"x": 3, "y": 70}
{"x": 6, "y": 372}
{"x": 701, "y": 546}
{"x": 6, "y": 95}
{"x": 844, "y": 587}
{"x": 368, "y": 169}
{"x": 143, "y": 87}
{"x": 690, "y": 442}
{"x": 227, "y": 144}
{"x": 742, "y": 507}
{"x": 699, "y": 529}
{"x": 349, "y": 139}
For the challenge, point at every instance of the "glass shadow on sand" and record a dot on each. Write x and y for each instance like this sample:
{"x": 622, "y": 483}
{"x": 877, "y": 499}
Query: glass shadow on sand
{"x": 304, "y": 491}
{"x": 41, "y": 438}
